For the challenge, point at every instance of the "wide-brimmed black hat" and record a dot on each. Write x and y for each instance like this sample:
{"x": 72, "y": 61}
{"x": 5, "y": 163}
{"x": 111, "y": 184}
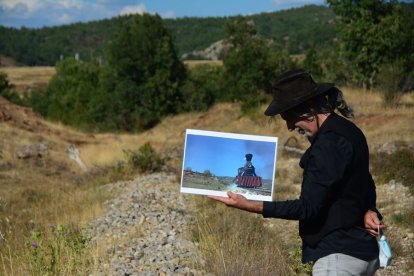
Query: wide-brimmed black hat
{"x": 293, "y": 88}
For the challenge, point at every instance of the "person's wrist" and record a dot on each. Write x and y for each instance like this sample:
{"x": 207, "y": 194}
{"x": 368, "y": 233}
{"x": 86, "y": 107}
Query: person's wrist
{"x": 257, "y": 207}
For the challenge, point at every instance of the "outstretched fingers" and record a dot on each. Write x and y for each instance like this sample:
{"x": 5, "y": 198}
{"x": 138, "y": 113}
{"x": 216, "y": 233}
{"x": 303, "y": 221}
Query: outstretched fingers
{"x": 225, "y": 200}
{"x": 240, "y": 202}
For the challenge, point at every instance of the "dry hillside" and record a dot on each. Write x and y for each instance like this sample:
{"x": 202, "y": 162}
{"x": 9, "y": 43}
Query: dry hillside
{"x": 21, "y": 126}
{"x": 380, "y": 125}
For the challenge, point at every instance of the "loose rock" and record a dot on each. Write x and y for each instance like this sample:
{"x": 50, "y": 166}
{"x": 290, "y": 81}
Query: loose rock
{"x": 147, "y": 229}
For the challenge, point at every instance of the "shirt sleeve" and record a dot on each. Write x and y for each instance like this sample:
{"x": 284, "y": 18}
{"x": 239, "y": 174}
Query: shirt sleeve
{"x": 328, "y": 160}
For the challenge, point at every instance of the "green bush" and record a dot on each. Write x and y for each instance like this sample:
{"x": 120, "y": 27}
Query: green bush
{"x": 336, "y": 68}
{"x": 312, "y": 63}
{"x": 389, "y": 79}
{"x": 202, "y": 88}
{"x": 144, "y": 160}
{"x": 398, "y": 166}
{"x": 7, "y": 92}
{"x": 39, "y": 101}
{"x": 69, "y": 93}
{"x": 4, "y": 82}
{"x": 251, "y": 62}
{"x": 251, "y": 106}
{"x": 406, "y": 219}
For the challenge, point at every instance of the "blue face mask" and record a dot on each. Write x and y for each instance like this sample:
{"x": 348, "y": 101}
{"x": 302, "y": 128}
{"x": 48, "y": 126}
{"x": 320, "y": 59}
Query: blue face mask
{"x": 385, "y": 255}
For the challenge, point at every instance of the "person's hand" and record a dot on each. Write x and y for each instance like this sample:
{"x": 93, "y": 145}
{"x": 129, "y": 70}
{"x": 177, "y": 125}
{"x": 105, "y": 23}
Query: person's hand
{"x": 240, "y": 202}
{"x": 371, "y": 223}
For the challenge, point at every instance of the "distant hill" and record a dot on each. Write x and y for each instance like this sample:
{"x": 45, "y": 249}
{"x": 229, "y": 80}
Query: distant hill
{"x": 296, "y": 29}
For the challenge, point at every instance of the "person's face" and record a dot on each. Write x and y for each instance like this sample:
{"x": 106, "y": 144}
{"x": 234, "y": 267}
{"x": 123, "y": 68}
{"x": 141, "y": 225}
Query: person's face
{"x": 304, "y": 126}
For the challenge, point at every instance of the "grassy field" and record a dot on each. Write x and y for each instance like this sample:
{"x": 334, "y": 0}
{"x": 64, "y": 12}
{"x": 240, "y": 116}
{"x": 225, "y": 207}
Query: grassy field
{"x": 26, "y": 79}
{"x": 49, "y": 197}
{"x": 192, "y": 63}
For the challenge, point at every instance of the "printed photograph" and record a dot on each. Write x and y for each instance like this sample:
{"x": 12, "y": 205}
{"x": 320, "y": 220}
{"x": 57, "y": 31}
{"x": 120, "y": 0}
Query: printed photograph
{"x": 217, "y": 162}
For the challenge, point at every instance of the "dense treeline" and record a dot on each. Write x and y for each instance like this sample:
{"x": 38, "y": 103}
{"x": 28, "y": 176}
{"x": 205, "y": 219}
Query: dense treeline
{"x": 48, "y": 45}
{"x": 295, "y": 29}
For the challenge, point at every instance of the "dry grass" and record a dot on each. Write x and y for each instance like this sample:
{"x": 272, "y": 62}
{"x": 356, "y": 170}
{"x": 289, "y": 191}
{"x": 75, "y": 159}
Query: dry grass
{"x": 237, "y": 243}
{"x": 381, "y": 124}
{"x": 192, "y": 63}
{"x": 39, "y": 192}
{"x": 28, "y": 78}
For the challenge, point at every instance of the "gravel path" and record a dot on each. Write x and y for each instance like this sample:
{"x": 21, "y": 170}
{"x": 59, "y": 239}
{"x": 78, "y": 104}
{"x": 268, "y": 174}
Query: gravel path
{"x": 144, "y": 231}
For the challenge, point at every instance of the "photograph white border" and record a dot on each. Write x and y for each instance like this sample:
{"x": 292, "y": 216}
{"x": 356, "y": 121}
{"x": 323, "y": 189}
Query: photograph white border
{"x": 232, "y": 136}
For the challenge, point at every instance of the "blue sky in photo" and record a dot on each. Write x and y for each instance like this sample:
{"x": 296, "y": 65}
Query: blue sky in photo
{"x": 223, "y": 156}
{"x": 40, "y": 13}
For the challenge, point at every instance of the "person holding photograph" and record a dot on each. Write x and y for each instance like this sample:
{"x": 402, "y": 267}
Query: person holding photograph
{"x": 336, "y": 209}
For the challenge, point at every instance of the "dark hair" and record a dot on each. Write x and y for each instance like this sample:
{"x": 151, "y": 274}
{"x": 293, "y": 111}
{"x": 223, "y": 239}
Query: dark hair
{"x": 321, "y": 104}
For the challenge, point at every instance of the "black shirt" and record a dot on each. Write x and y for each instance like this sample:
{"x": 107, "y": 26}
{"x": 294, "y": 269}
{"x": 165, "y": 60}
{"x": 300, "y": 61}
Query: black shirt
{"x": 355, "y": 242}
{"x": 331, "y": 157}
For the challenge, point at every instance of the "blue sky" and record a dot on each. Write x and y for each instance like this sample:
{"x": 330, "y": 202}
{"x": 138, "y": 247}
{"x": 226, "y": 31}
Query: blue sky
{"x": 223, "y": 156}
{"x": 39, "y": 13}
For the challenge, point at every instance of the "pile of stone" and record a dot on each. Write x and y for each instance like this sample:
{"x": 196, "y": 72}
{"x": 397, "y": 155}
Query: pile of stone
{"x": 145, "y": 231}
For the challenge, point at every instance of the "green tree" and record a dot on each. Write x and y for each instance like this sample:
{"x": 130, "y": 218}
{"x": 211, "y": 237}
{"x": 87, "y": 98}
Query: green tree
{"x": 251, "y": 63}
{"x": 139, "y": 83}
{"x": 312, "y": 63}
{"x": 373, "y": 33}
{"x": 39, "y": 102}
{"x": 4, "y": 82}
{"x": 147, "y": 72}
{"x": 202, "y": 88}
{"x": 7, "y": 91}
{"x": 389, "y": 82}
{"x": 336, "y": 68}
{"x": 70, "y": 91}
